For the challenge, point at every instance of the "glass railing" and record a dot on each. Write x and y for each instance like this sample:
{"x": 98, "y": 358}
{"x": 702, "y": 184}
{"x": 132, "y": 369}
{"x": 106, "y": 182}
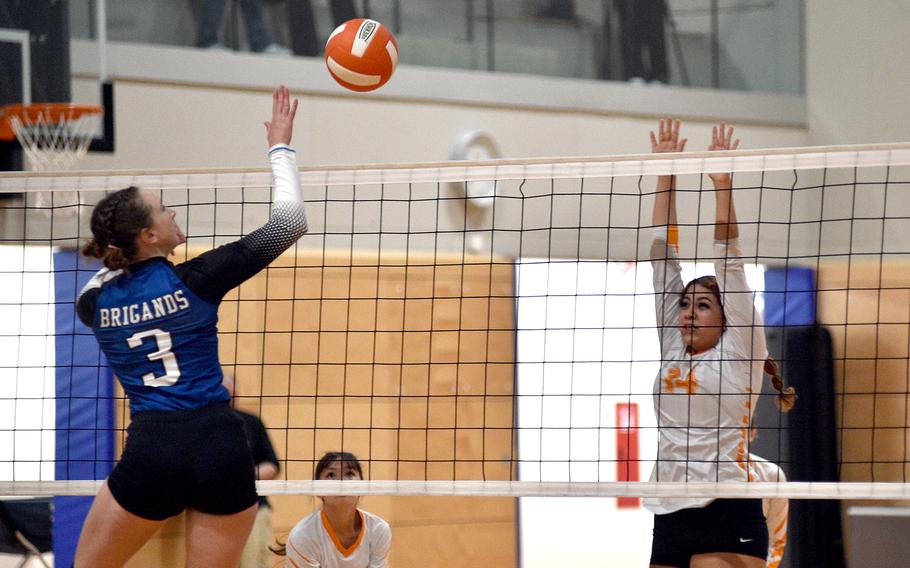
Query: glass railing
{"x": 752, "y": 45}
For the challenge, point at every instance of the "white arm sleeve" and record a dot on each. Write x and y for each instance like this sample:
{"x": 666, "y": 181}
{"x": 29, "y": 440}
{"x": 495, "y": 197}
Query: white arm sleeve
{"x": 745, "y": 334}
{"x": 284, "y": 174}
{"x": 287, "y": 222}
{"x": 668, "y": 287}
{"x": 744, "y": 323}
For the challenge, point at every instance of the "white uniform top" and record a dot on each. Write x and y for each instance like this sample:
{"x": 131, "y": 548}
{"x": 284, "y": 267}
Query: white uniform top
{"x": 704, "y": 402}
{"x": 314, "y": 544}
{"x": 776, "y": 510}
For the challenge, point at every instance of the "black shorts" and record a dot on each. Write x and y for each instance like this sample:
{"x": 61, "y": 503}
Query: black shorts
{"x": 196, "y": 459}
{"x": 724, "y": 525}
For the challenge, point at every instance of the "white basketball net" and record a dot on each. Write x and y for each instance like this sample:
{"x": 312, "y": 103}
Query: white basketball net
{"x": 54, "y": 143}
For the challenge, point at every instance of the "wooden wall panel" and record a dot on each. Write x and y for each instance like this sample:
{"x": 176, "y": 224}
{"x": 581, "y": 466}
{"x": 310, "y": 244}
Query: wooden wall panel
{"x": 408, "y": 364}
{"x": 866, "y": 305}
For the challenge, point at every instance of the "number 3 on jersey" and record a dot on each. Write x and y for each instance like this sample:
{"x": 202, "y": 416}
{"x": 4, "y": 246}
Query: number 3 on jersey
{"x": 163, "y": 341}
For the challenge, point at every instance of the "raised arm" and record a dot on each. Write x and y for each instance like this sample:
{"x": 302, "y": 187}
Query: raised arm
{"x": 667, "y": 278}
{"x": 725, "y": 226}
{"x": 213, "y": 274}
{"x": 745, "y": 330}
{"x": 666, "y": 140}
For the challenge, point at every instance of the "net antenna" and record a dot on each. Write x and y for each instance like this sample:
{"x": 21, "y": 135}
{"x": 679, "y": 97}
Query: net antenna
{"x": 54, "y": 136}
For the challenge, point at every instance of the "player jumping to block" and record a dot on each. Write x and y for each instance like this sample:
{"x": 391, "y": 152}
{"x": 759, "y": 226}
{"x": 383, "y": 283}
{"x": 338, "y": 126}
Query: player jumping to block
{"x": 713, "y": 356}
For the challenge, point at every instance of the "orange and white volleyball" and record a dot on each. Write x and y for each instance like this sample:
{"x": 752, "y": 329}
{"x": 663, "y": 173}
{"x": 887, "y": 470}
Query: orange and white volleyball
{"x": 361, "y": 54}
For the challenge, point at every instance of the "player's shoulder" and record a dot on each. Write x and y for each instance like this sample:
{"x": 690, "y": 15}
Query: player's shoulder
{"x": 375, "y": 522}
{"x": 306, "y": 528}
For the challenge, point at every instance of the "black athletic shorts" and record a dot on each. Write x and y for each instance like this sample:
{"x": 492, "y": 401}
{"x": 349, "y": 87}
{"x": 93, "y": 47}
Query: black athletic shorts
{"x": 724, "y": 525}
{"x": 196, "y": 459}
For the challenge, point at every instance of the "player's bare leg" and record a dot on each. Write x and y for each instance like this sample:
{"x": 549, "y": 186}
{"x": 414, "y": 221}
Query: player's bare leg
{"x": 726, "y": 560}
{"x": 217, "y": 540}
{"x": 111, "y": 535}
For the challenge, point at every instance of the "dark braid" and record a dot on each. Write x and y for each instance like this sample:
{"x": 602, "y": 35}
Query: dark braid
{"x": 786, "y": 396}
{"x": 116, "y": 222}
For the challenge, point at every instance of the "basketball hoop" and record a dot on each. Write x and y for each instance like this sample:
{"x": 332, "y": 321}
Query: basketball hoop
{"x": 55, "y": 136}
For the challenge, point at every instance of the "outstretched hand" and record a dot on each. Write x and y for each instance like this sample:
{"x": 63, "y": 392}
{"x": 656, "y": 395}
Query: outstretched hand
{"x": 667, "y": 139}
{"x": 281, "y": 127}
{"x": 722, "y": 139}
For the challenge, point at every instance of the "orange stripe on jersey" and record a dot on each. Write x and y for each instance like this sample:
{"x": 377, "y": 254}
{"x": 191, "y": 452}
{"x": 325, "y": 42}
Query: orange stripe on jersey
{"x": 777, "y": 554}
{"x": 782, "y": 525}
{"x": 742, "y": 452}
{"x": 329, "y": 529}
{"x": 673, "y": 235}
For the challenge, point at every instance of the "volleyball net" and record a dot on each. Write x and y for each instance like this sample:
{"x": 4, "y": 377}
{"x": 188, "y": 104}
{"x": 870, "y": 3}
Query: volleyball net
{"x": 487, "y": 328}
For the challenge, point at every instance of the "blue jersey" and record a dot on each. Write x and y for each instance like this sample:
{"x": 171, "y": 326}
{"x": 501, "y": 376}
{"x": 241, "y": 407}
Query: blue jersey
{"x": 160, "y": 339}
{"x": 157, "y": 322}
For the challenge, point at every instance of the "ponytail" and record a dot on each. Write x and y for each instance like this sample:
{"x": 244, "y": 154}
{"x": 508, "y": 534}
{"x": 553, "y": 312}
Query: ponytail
{"x": 280, "y": 548}
{"x": 786, "y": 396}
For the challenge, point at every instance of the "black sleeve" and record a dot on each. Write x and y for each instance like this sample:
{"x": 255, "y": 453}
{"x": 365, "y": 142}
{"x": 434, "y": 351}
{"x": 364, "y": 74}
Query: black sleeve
{"x": 213, "y": 274}
{"x": 264, "y": 451}
{"x": 258, "y": 439}
{"x": 85, "y": 306}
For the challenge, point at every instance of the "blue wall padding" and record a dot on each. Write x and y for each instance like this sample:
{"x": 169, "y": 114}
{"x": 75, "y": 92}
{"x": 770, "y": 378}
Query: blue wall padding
{"x": 85, "y": 404}
{"x": 789, "y": 296}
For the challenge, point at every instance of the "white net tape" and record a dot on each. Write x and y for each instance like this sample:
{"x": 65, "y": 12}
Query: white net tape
{"x": 477, "y": 488}
{"x": 52, "y": 141}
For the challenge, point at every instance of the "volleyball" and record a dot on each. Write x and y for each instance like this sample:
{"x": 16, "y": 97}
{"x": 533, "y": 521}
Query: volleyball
{"x": 361, "y": 54}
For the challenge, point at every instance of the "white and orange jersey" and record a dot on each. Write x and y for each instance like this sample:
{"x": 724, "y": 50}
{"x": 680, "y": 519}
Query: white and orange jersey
{"x": 776, "y": 510}
{"x": 314, "y": 544}
{"x": 704, "y": 402}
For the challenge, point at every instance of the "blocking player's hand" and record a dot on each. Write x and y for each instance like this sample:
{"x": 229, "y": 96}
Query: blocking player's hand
{"x": 722, "y": 139}
{"x": 667, "y": 138}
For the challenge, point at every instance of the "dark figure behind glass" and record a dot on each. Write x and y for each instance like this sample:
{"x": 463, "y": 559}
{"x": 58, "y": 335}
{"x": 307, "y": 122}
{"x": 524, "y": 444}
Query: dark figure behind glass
{"x": 642, "y": 35}
{"x": 644, "y": 51}
{"x": 258, "y": 34}
{"x": 304, "y": 37}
